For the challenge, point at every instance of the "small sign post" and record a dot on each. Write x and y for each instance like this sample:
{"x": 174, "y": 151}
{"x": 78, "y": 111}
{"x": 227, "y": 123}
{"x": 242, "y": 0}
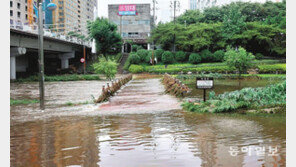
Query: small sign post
{"x": 204, "y": 83}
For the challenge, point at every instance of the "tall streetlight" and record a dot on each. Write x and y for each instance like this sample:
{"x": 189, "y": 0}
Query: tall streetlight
{"x": 51, "y": 7}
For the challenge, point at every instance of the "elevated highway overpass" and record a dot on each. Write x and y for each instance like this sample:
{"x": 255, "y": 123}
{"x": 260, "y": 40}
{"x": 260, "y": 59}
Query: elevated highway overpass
{"x": 59, "y": 52}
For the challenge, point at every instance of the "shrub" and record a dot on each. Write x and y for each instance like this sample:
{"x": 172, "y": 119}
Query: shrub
{"x": 259, "y": 56}
{"x": 167, "y": 57}
{"x": 135, "y": 47}
{"x": 194, "y": 58}
{"x": 134, "y": 58}
{"x": 142, "y": 53}
{"x": 239, "y": 59}
{"x": 269, "y": 96}
{"x": 180, "y": 56}
{"x": 136, "y": 68}
{"x": 106, "y": 67}
{"x": 219, "y": 56}
{"x": 206, "y": 56}
{"x": 158, "y": 54}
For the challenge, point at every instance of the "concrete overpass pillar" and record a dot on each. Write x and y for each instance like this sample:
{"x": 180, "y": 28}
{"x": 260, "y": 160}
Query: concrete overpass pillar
{"x": 12, "y": 67}
{"x": 65, "y": 59}
{"x": 65, "y": 63}
{"x": 14, "y": 52}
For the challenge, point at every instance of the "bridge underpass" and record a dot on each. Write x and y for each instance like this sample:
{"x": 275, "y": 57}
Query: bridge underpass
{"x": 59, "y": 54}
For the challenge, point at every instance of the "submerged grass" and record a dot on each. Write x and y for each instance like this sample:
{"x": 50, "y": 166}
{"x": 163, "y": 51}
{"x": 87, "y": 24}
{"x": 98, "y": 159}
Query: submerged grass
{"x": 79, "y": 103}
{"x": 70, "y": 77}
{"x": 247, "y": 98}
{"x": 23, "y": 101}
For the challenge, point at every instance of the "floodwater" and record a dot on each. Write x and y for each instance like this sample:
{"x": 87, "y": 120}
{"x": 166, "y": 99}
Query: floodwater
{"x": 140, "y": 126}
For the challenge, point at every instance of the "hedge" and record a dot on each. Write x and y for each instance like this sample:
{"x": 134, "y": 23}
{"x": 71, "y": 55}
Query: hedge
{"x": 274, "y": 68}
{"x": 136, "y": 69}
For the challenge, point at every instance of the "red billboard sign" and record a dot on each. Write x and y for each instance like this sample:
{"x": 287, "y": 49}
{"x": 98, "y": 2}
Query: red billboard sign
{"x": 127, "y": 10}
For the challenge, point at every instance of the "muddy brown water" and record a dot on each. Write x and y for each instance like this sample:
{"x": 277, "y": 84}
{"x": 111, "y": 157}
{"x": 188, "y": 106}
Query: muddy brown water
{"x": 140, "y": 126}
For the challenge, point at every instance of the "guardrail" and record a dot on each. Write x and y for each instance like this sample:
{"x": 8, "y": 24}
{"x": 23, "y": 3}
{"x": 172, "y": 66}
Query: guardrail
{"x": 48, "y": 33}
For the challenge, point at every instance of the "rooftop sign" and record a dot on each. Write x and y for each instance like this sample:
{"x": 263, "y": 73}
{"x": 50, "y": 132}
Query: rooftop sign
{"x": 127, "y": 10}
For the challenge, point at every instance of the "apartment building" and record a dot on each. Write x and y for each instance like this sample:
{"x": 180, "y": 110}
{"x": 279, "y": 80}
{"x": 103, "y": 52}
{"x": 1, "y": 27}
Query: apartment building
{"x": 201, "y": 4}
{"x": 19, "y": 13}
{"x": 72, "y": 15}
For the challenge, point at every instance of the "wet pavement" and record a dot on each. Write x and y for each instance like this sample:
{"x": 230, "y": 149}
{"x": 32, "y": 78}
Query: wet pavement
{"x": 140, "y": 126}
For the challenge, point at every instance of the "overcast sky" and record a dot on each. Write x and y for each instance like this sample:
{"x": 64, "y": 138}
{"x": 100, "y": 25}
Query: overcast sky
{"x": 164, "y": 12}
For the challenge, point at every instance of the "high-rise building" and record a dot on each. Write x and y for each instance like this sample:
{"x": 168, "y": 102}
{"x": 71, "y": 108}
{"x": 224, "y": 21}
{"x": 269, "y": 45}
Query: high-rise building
{"x": 201, "y": 4}
{"x": 72, "y": 15}
{"x": 19, "y": 12}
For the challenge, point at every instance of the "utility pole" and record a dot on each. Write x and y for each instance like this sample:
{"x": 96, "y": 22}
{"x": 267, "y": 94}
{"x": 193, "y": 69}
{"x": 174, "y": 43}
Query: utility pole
{"x": 174, "y": 6}
{"x": 153, "y": 26}
{"x": 122, "y": 48}
{"x": 41, "y": 57}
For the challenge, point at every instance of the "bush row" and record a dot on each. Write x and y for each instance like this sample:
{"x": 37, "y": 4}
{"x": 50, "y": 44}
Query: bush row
{"x": 274, "y": 68}
{"x": 207, "y": 68}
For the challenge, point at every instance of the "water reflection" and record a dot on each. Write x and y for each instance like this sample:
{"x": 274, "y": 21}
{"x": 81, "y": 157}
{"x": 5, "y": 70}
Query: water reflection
{"x": 164, "y": 139}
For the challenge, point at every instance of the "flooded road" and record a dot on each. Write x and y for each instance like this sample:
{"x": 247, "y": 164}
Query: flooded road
{"x": 140, "y": 126}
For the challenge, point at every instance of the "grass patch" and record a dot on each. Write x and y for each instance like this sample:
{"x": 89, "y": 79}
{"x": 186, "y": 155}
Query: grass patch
{"x": 23, "y": 101}
{"x": 70, "y": 77}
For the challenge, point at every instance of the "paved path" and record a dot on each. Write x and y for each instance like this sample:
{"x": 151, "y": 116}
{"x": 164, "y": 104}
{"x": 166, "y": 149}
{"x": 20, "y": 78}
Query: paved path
{"x": 138, "y": 96}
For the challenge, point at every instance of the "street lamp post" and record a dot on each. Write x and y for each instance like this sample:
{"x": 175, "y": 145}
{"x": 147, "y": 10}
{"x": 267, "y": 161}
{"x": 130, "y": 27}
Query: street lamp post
{"x": 41, "y": 57}
{"x": 51, "y": 7}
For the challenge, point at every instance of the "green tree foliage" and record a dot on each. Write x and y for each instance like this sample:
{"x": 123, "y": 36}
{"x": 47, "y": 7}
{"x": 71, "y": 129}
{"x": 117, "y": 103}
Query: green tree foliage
{"x": 260, "y": 38}
{"x": 167, "y": 57}
{"x": 106, "y": 67}
{"x": 180, "y": 56}
{"x": 239, "y": 59}
{"x": 194, "y": 58}
{"x": 190, "y": 17}
{"x": 106, "y": 36}
{"x": 233, "y": 23}
{"x": 253, "y": 12}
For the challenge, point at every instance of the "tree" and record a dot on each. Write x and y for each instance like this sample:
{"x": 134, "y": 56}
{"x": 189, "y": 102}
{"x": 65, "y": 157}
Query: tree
{"x": 106, "y": 67}
{"x": 106, "y": 36}
{"x": 239, "y": 59}
{"x": 233, "y": 22}
{"x": 190, "y": 17}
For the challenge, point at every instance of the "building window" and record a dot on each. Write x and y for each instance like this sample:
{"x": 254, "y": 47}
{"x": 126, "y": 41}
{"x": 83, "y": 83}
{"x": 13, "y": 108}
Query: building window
{"x": 11, "y": 4}
{"x": 18, "y": 5}
{"x": 19, "y": 14}
{"x": 26, "y": 8}
{"x": 11, "y": 13}
{"x": 26, "y": 17}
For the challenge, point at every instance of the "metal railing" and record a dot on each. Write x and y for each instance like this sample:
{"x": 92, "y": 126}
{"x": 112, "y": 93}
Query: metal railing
{"x": 48, "y": 33}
